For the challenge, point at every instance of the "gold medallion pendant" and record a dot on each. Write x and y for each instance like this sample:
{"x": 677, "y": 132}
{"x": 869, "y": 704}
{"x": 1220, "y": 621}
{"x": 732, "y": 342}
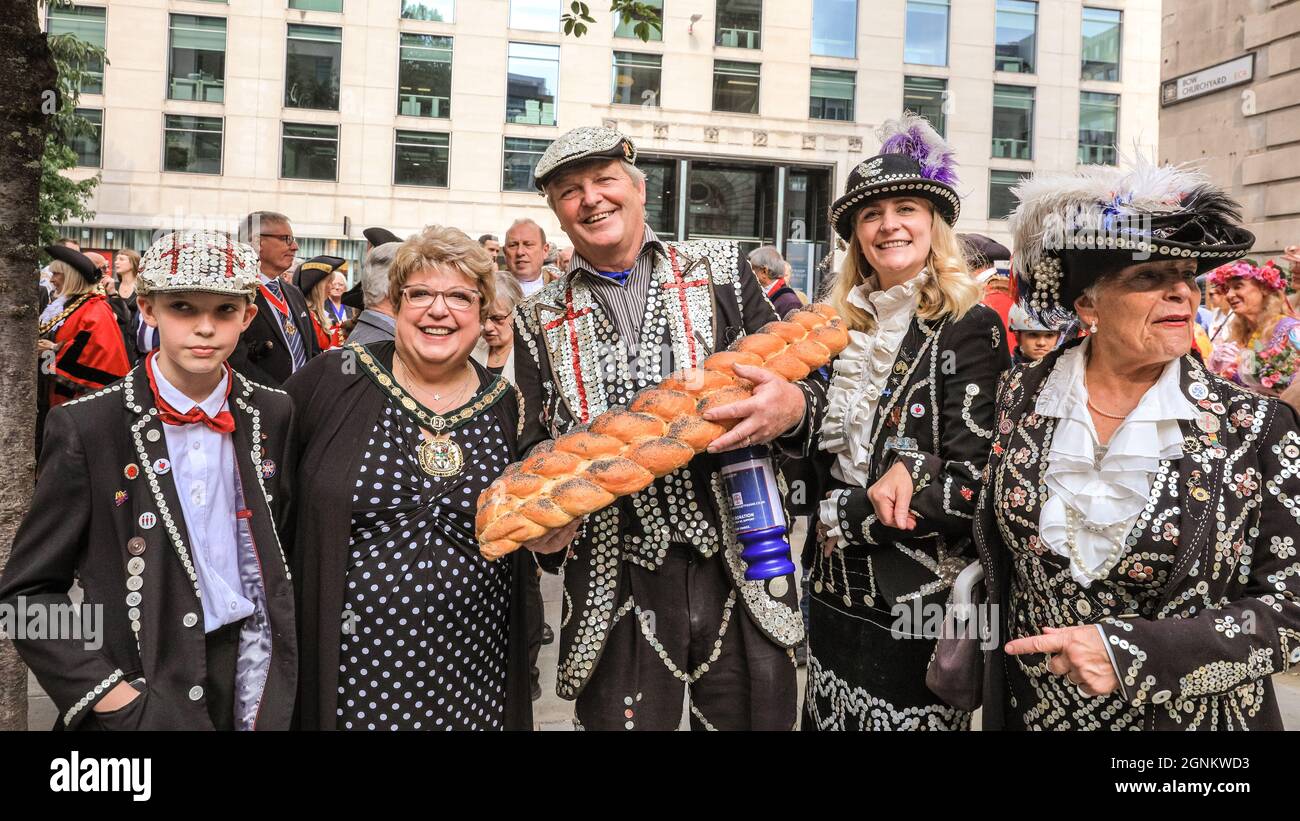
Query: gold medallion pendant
{"x": 441, "y": 457}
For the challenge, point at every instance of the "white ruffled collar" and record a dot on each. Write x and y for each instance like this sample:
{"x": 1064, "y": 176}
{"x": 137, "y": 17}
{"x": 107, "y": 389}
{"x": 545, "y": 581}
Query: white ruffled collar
{"x": 860, "y": 373}
{"x": 1103, "y": 498}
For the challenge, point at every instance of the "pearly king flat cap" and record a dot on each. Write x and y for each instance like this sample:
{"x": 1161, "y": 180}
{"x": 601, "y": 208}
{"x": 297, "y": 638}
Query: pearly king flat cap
{"x": 588, "y": 142}
{"x": 207, "y": 261}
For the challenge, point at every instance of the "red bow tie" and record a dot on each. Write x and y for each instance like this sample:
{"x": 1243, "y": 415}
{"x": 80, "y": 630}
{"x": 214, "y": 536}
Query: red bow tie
{"x": 223, "y": 422}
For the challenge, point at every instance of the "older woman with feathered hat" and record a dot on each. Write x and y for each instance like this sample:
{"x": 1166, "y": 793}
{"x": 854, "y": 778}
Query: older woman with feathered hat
{"x": 1140, "y": 513}
{"x": 905, "y": 435}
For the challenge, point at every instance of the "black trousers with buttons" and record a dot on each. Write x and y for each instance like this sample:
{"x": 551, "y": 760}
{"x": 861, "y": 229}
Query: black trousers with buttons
{"x": 749, "y": 682}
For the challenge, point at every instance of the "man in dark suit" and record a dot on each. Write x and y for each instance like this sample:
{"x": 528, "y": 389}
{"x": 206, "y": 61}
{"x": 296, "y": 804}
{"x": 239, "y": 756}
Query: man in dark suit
{"x": 279, "y": 340}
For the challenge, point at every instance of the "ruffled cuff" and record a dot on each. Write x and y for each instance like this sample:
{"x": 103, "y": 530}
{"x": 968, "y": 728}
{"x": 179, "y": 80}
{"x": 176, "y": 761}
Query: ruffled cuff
{"x": 828, "y": 512}
{"x": 849, "y": 517}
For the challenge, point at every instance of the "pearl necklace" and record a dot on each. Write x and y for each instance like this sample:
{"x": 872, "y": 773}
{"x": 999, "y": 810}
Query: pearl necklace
{"x": 1115, "y": 547}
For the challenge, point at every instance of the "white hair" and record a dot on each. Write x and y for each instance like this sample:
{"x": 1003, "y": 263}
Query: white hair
{"x": 374, "y": 286}
{"x": 635, "y": 174}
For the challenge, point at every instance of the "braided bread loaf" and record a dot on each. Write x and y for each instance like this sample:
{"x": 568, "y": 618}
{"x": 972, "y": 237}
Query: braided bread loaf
{"x": 623, "y": 451}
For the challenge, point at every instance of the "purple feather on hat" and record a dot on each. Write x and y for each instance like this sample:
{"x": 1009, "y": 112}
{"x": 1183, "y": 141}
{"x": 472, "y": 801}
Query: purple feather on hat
{"x": 913, "y": 136}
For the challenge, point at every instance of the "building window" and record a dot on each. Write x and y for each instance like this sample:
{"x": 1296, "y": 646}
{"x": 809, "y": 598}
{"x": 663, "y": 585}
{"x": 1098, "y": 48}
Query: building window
{"x": 89, "y": 146}
{"x": 835, "y": 28}
{"x": 309, "y": 152}
{"x": 86, "y": 23}
{"x": 535, "y": 15}
{"x": 1098, "y": 127}
{"x": 311, "y": 71}
{"x": 831, "y": 97}
{"x": 925, "y": 96}
{"x": 1017, "y": 34}
{"x": 421, "y": 158}
{"x": 660, "y": 196}
{"x": 1013, "y": 122}
{"x": 191, "y": 145}
{"x": 424, "y": 76}
{"x": 733, "y": 201}
{"x": 636, "y": 79}
{"x": 925, "y": 41}
{"x": 625, "y": 28}
{"x": 532, "y": 79}
{"x": 1001, "y": 201}
{"x": 317, "y": 5}
{"x": 521, "y": 156}
{"x": 198, "y": 58}
{"x": 1101, "y": 38}
{"x": 735, "y": 86}
{"x": 740, "y": 23}
{"x": 439, "y": 11}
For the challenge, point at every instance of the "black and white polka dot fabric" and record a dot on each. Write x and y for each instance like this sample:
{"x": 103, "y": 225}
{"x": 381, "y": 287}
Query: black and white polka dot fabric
{"x": 425, "y": 617}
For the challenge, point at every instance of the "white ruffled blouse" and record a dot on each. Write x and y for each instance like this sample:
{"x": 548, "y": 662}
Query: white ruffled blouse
{"x": 1100, "y": 499}
{"x": 860, "y": 373}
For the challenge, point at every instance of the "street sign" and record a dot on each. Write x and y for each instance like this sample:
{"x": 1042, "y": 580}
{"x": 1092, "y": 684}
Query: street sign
{"x": 1208, "y": 80}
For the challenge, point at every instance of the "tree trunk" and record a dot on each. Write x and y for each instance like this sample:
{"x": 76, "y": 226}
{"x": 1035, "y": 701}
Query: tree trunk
{"x": 26, "y": 101}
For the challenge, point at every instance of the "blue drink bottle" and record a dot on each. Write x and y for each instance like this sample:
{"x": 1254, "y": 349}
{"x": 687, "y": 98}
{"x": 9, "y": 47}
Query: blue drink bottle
{"x": 756, "y": 512}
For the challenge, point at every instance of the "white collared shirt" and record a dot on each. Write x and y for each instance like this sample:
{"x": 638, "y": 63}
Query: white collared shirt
{"x": 1104, "y": 495}
{"x": 203, "y": 470}
{"x": 531, "y": 286}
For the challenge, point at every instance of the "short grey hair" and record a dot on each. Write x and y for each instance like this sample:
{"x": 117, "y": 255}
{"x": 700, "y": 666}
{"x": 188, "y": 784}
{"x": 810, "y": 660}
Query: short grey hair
{"x": 526, "y": 221}
{"x": 250, "y": 230}
{"x": 374, "y": 286}
{"x": 636, "y": 174}
{"x": 508, "y": 290}
{"x": 769, "y": 259}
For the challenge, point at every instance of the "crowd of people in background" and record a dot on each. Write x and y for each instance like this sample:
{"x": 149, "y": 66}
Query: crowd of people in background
{"x": 445, "y": 351}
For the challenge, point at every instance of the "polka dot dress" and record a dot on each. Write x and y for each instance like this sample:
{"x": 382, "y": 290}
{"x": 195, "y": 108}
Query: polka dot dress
{"x": 425, "y": 617}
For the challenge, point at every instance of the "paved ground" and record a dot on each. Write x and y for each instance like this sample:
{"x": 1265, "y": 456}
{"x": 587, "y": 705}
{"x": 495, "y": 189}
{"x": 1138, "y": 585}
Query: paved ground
{"x": 554, "y": 713}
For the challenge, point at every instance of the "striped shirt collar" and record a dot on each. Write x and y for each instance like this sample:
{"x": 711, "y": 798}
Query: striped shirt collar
{"x": 649, "y": 242}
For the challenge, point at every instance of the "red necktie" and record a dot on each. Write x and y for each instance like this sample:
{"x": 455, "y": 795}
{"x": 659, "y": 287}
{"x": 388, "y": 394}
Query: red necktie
{"x": 221, "y": 423}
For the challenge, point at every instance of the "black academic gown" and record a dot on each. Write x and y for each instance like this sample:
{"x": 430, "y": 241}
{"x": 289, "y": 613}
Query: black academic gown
{"x": 262, "y": 353}
{"x": 339, "y": 406}
{"x": 79, "y": 527}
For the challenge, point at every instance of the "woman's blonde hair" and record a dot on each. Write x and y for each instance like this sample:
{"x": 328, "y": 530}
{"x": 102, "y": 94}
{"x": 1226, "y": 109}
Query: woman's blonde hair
{"x": 950, "y": 290}
{"x": 74, "y": 284}
{"x": 1240, "y": 329}
{"x": 439, "y": 246}
{"x": 316, "y": 303}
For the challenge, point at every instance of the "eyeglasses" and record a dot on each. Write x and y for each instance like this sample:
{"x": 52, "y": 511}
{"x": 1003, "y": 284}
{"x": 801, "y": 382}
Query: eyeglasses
{"x": 499, "y": 319}
{"x": 287, "y": 239}
{"x": 459, "y": 300}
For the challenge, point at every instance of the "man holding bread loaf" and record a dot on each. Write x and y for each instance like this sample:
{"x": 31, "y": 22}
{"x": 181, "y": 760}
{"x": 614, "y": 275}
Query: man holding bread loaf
{"x": 655, "y": 595}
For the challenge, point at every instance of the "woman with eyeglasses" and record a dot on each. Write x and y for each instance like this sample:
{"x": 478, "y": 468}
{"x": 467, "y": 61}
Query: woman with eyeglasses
{"x": 404, "y": 625}
{"x": 496, "y": 350}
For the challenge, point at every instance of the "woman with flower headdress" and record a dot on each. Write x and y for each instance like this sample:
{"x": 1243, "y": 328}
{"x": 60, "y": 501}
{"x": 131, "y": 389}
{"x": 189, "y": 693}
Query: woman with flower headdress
{"x": 1260, "y": 347}
{"x": 1138, "y": 525}
{"x": 904, "y": 438}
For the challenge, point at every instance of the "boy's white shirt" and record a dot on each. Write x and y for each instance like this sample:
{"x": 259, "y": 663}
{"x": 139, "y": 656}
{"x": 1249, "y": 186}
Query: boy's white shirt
{"x": 203, "y": 470}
